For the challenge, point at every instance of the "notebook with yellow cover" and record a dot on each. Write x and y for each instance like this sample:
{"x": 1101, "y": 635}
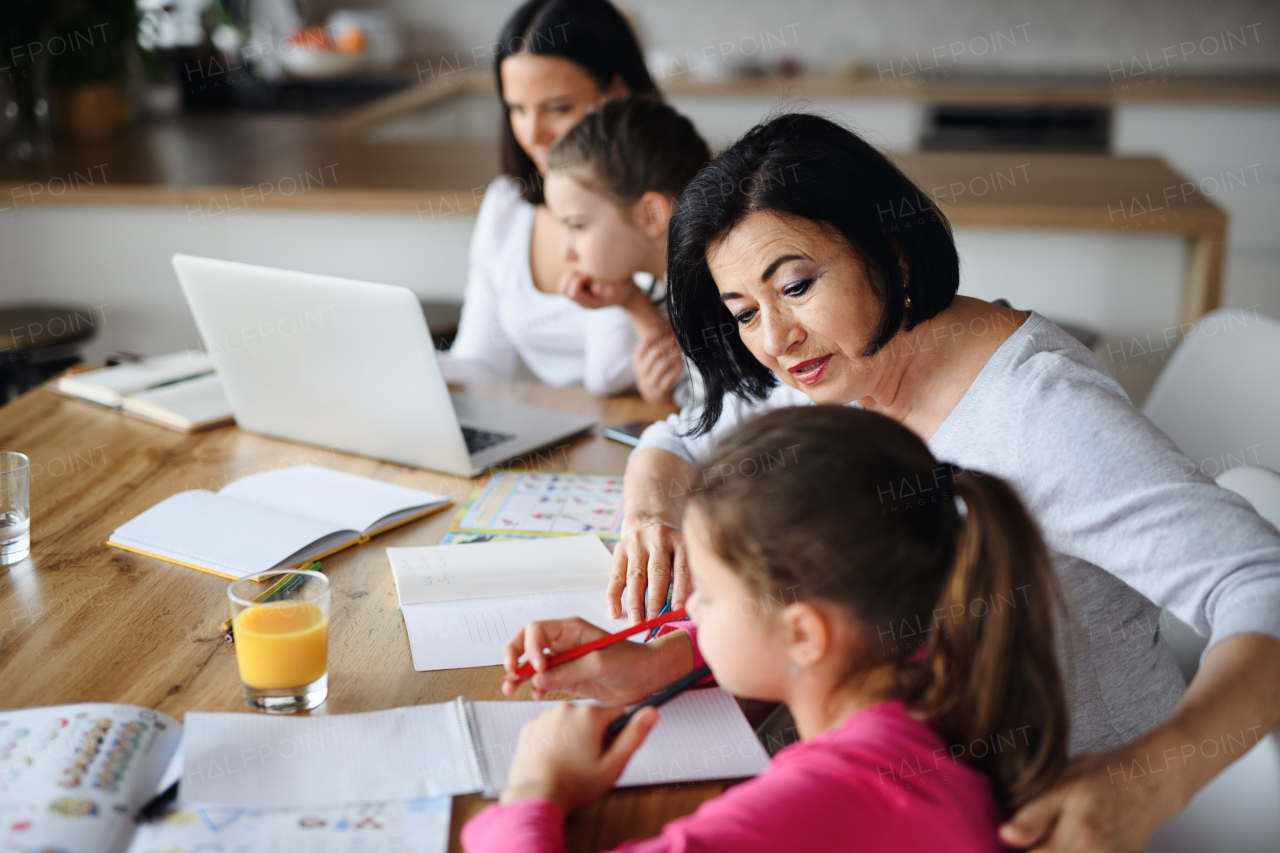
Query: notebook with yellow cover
{"x": 271, "y": 520}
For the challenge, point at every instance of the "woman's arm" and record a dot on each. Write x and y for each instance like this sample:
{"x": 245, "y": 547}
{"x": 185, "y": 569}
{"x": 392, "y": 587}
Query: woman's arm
{"x": 651, "y": 553}
{"x": 1113, "y": 802}
{"x": 481, "y": 351}
{"x": 1130, "y": 502}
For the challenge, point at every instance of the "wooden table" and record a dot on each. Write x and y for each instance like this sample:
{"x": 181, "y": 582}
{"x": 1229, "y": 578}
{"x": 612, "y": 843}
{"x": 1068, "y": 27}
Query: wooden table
{"x": 81, "y": 622}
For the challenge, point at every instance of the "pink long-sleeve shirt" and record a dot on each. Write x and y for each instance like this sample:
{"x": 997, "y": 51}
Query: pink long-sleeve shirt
{"x": 883, "y": 781}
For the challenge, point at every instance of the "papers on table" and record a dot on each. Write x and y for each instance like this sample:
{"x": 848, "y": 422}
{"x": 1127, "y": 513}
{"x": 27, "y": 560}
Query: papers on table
{"x": 544, "y": 503}
{"x": 409, "y": 826}
{"x": 462, "y": 602}
{"x": 430, "y": 750}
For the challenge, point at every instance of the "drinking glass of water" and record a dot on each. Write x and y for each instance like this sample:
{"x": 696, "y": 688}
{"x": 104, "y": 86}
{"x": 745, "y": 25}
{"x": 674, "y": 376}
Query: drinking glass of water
{"x": 15, "y": 507}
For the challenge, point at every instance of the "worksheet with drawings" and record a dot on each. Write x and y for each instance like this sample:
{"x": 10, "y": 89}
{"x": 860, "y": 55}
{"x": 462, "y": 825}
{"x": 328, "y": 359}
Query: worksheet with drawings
{"x": 459, "y": 634}
{"x": 398, "y": 826}
{"x": 73, "y": 776}
{"x": 546, "y": 502}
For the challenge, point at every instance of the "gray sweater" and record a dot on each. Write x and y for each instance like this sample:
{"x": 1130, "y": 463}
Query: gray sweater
{"x": 1131, "y": 523}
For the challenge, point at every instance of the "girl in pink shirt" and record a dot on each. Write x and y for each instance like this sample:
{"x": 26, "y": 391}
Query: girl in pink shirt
{"x": 902, "y": 610}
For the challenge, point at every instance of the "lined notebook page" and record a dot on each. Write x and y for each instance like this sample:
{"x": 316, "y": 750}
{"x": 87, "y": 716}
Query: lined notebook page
{"x": 701, "y": 734}
{"x": 220, "y": 533}
{"x": 346, "y": 500}
{"x": 456, "y": 634}
{"x": 487, "y": 569}
{"x": 255, "y": 760}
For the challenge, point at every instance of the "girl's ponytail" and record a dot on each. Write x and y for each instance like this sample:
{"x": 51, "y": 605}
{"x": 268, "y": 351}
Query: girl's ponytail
{"x": 990, "y": 676}
{"x": 945, "y": 572}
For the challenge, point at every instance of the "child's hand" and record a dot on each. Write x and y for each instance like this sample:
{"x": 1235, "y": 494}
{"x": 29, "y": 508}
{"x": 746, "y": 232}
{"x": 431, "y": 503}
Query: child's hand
{"x": 620, "y": 674}
{"x": 594, "y": 293}
{"x": 562, "y": 756}
{"x": 658, "y": 365}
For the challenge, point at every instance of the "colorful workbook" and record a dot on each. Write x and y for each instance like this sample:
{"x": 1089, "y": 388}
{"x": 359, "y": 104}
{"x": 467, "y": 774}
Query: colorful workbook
{"x": 423, "y": 751}
{"x": 72, "y": 778}
{"x": 272, "y": 520}
{"x": 543, "y": 503}
{"x": 461, "y": 604}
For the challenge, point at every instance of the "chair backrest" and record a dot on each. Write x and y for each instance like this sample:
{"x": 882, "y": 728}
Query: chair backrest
{"x": 1259, "y": 486}
{"x": 1218, "y": 398}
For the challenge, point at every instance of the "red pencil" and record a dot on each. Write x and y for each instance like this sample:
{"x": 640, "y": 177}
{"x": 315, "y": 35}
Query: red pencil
{"x": 526, "y": 669}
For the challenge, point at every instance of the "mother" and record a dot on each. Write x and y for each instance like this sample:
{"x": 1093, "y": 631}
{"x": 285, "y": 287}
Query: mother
{"x": 555, "y": 61}
{"x": 802, "y": 254}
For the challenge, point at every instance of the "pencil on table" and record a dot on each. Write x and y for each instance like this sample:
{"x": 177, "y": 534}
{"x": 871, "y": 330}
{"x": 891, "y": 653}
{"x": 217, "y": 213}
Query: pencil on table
{"x": 281, "y": 587}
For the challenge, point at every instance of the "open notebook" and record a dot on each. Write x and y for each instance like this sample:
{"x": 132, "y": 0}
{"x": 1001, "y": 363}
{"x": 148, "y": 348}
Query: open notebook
{"x": 72, "y": 777}
{"x": 454, "y": 747}
{"x": 461, "y": 602}
{"x": 271, "y": 520}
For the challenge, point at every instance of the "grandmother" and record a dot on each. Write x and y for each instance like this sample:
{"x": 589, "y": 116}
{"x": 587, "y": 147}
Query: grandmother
{"x": 806, "y": 268}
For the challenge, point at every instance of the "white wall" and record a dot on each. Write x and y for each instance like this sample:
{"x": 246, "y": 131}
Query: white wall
{"x": 1085, "y": 36}
{"x": 118, "y": 258}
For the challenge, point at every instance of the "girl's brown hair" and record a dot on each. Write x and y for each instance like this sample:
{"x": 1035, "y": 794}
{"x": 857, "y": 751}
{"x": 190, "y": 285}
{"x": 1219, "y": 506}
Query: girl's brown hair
{"x": 631, "y": 146}
{"x": 849, "y": 507}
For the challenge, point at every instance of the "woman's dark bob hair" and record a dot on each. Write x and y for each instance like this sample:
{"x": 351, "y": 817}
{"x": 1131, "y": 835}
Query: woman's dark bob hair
{"x": 805, "y": 166}
{"x": 591, "y": 33}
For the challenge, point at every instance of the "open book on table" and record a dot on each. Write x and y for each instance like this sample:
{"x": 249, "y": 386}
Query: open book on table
{"x": 461, "y": 602}
{"x": 72, "y": 777}
{"x": 276, "y": 519}
{"x": 180, "y": 390}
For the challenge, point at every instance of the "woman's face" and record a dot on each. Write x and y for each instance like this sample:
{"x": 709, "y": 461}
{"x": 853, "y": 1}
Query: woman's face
{"x": 803, "y": 303}
{"x": 545, "y": 96}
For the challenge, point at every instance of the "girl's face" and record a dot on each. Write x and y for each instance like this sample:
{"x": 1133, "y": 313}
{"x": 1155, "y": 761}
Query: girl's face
{"x": 737, "y": 632}
{"x": 803, "y": 302}
{"x": 545, "y": 96}
{"x": 600, "y": 240}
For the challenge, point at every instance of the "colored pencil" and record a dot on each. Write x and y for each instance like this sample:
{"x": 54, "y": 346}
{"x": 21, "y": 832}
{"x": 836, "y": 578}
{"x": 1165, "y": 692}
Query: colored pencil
{"x": 526, "y": 669}
{"x": 283, "y": 586}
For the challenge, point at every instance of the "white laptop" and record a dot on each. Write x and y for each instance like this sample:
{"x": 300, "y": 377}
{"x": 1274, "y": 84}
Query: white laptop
{"x": 350, "y": 365}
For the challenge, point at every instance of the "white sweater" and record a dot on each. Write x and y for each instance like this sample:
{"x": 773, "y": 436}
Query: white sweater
{"x": 504, "y": 315}
{"x": 1127, "y": 527}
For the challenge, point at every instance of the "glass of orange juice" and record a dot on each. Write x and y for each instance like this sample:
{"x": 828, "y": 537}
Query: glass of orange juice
{"x": 282, "y": 645}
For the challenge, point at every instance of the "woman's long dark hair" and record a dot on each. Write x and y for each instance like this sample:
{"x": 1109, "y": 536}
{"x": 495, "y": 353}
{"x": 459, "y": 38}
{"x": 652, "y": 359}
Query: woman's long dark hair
{"x": 809, "y": 167}
{"x": 848, "y": 507}
{"x": 591, "y": 33}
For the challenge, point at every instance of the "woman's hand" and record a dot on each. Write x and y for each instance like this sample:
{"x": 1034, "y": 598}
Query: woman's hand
{"x": 562, "y": 756}
{"x": 1112, "y": 802}
{"x": 594, "y": 293}
{"x": 620, "y": 674}
{"x": 658, "y": 366}
{"x": 650, "y": 558}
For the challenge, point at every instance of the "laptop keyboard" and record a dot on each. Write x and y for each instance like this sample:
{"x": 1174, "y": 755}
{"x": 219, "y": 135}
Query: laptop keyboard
{"x": 482, "y": 439}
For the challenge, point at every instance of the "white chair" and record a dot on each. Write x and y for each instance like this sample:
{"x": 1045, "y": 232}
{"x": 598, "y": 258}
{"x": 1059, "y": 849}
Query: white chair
{"x": 1238, "y": 812}
{"x": 1219, "y": 399}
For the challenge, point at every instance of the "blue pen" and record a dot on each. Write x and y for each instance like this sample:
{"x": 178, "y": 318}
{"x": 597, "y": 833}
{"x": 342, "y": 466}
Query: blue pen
{"x": 654, "y": 631}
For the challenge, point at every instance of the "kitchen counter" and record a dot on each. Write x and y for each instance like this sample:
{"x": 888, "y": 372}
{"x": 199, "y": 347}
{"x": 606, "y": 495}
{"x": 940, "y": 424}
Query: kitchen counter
{"x": 215, "y": 163}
